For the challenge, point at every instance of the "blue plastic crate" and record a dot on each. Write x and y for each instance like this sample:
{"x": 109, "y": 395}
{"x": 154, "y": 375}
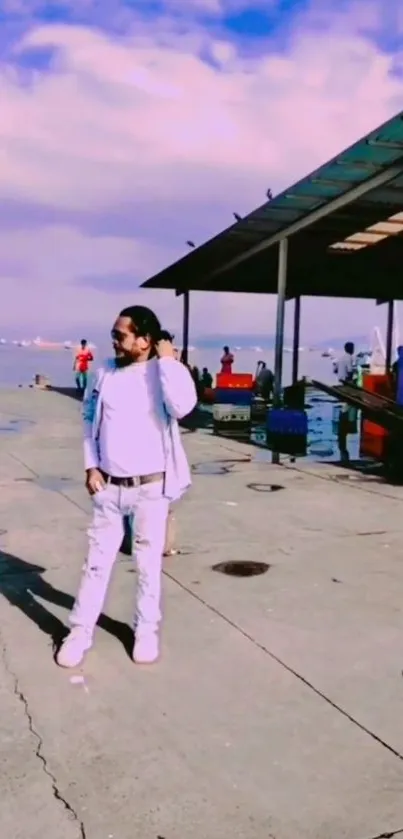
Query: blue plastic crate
{"x": 232, "y": 396}
{"x": 287, "y": 422}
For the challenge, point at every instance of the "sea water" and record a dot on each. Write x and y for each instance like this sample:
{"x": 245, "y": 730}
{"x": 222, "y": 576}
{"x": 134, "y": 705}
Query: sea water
{"x": 19, "y": 365}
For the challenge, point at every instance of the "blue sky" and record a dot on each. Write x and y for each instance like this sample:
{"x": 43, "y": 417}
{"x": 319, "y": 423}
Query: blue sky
{"x": 130, "y": 127}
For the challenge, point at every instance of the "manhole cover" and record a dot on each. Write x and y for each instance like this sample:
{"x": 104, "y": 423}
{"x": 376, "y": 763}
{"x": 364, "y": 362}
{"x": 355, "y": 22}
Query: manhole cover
{"x": 265, "y": 487}
{"x": 241, "y": 568}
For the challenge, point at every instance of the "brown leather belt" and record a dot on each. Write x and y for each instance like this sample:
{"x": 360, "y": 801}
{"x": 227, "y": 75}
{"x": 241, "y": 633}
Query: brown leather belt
{"x": 136, "y": 481}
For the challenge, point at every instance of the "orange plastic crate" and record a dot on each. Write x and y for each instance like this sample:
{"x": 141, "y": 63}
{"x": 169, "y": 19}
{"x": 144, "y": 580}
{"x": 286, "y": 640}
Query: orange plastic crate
{"x": 373, "y": 441}
{"x": 378, "y": 383}
{"x": 232, "y": 380}
{"x": 374, "y": 438}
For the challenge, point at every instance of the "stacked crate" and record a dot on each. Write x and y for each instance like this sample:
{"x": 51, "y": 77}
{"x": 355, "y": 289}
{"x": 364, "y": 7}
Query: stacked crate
{"x": 374, "y": 440}
{"x": 232, "y": 405}
{"x": 287, "y": 431}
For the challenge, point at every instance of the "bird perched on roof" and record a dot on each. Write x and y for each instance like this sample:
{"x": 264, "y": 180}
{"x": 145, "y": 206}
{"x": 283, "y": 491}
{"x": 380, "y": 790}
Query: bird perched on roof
{"x": 269, "y": 194}
{"x": 237, "y": 217}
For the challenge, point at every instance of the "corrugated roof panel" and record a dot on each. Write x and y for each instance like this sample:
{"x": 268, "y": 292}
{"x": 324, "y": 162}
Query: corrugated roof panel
{"x": 346, "y": 172}
{"x": 283, "y": 214}
{"x": 317, "y": 190}
{"x": 354, "y": 166}
{"x": 392, "y": 131}
{"x": 306, "y": 202}
{"x": 245, "y": 233}
{"x": 259, "y": 224}
{"x": 365, "y": 153}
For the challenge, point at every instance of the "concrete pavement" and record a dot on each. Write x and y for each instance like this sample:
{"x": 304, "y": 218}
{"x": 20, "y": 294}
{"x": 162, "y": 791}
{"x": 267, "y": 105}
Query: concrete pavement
{"x": 276, "y": 708}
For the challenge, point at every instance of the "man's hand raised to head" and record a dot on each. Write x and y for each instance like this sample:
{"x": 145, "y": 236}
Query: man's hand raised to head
{"x": 165, "y": 349}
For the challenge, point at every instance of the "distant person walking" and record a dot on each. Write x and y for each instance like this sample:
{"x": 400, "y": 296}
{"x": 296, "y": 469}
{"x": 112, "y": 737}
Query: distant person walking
{"x": 227, "y": 361}
{"x": 82, "y": 361}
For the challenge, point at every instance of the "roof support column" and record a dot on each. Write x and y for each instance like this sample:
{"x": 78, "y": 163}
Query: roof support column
{"x": 280, "y": 318}
{"x": 389, "y": 336}
{"x": 185, "y": 332}
{"x": 295, "y": 345}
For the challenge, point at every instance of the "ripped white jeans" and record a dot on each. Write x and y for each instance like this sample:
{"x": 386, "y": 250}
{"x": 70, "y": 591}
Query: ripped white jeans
{"x": 149, "y": 509}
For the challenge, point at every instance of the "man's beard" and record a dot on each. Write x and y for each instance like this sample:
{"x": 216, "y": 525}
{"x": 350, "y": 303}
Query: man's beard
{"x": 123, "y": 360}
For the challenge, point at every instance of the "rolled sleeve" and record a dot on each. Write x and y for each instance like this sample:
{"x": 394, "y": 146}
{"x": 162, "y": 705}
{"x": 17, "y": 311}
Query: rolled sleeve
{"x": 178, "y": 388}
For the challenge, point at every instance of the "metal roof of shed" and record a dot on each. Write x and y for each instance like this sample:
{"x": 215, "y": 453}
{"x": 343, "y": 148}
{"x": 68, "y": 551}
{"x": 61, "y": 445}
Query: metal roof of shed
{"x": 354, "y": 191}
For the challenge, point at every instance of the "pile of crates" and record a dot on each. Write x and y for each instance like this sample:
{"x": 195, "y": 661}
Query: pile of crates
{"x": 232, "y": 405}
{"x": 287, "y": 431}
{"x": 287, "y": 426}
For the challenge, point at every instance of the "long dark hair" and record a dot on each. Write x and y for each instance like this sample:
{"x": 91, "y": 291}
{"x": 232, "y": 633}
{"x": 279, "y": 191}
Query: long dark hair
{"x": 145, "y": 323}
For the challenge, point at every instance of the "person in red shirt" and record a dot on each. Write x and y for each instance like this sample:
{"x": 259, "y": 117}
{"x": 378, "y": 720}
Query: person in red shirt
{"x": 82, "y": 362}
{"x": 227, "y": 361}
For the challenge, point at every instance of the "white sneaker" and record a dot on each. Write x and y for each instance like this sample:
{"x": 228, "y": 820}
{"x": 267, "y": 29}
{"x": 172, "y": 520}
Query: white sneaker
{"x": 74, "y": 647}
{"x": 146, "y": 648}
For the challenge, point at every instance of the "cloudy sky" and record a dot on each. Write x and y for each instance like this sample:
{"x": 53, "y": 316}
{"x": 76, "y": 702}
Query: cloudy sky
{"x": 130, "y": 126}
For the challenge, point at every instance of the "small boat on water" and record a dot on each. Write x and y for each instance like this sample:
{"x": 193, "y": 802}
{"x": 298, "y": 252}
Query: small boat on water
{"x": 46, "y": 345}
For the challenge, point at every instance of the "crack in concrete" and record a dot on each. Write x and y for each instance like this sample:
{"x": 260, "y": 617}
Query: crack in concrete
{"x": 288, "y": 668}
{"x": 389, "y": 834}
{"x": 39, "y": 749}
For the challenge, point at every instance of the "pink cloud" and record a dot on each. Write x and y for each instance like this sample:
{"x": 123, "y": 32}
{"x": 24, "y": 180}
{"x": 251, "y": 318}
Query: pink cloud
{"x": 146, "y": 116}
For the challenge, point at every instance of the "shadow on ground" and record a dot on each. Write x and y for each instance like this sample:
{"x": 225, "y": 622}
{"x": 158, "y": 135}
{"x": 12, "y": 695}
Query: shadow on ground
{"x": 21, "y": 583}
{"x": 72, "y": 392}
{"x": 365, "y": 471}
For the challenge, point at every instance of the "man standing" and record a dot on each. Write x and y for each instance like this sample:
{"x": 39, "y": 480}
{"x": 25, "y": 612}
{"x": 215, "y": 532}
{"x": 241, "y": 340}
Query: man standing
{"x": 346, "y": 371}
{"x": 264, "y": 381}
{"x": 82, "y": 362}
{"x": 135, "y": 465}
{"x": 227, "y": 361}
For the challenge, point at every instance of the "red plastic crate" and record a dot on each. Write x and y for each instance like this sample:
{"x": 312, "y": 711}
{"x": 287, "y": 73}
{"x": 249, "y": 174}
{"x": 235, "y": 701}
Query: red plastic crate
{"x": 374, "y": 438}
{"x": 234, "y": 380}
